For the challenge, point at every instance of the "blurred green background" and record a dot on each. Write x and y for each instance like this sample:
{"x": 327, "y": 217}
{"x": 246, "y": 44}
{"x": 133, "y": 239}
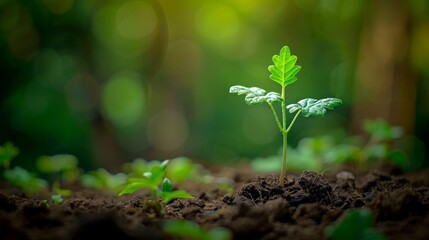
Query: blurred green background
{"x": 112, "y": 80}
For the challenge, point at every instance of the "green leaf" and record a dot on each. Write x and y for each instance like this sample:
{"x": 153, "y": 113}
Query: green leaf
{"x": 164, "y": 164}
{"x": 57, "y": 199}
{"x": 7, "y": 152}
{"x": 57, "y": 163}
{"x": 314, "y": 107}
{"x": 132, "y": 187}
{"x": 284, "y": 69}
{"x": 56, "y": 188}
{"x": 355, "y": 225}
{"x": 382, "y": 130}
{"x": 184, "y": 229}
{"x": 166, "y": 185}
{"x": 102, "y": 179}
{"x": 181, "y": 169}
{"x": 255, "y": 95}
{"x": 25, "y": 180}
{"x": 168, "y": 196}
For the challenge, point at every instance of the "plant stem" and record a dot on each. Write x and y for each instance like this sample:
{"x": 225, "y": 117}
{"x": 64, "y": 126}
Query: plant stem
{"x": 276, "y": 117}
{"x": 293, "y": 121}
{"x": 284, "y": 133}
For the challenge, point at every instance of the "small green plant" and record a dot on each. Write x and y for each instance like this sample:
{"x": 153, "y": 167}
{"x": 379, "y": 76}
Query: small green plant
{"x": 284, "y": 73}
{"x": 24, "y": 180}
{"x": 57, "y": 199}
{"x": 103, "y": 180}
{"x": 64, "y": 166}
{"x": 7, "y": 152}
{"x": 355, "y": 225}
{"x": 56, "y": 189}
{"x": 183, "y": 229}
{"x": 157, "y": 183}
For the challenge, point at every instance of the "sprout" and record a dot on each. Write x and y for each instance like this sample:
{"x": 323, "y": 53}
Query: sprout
{"x": 284, "y": 73}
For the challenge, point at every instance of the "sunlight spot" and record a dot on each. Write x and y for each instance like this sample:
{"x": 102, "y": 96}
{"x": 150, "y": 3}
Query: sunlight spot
{"x": 216, "y": 22}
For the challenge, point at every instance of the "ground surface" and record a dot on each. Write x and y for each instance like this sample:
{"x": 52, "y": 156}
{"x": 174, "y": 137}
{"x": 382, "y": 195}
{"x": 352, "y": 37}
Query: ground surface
{"x": 259, "y": 208}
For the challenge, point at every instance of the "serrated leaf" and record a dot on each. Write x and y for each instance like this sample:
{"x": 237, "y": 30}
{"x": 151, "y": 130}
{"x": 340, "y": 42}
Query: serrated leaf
{"x": 314, "y": 107}
{"x": 255, "y": 95}
{"x": 284, "y": 69}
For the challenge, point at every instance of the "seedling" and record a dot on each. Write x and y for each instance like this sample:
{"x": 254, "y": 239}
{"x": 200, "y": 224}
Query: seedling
{"x": 7, "y": 152}
{"x": 57, "y": 199}
{"x": 284, "y": 73}
{"x": 56, "y": 189}
{"x": 152, "y": 180}
{"x": 103, "y": 180}
{"x": 355, "y": 225}
{"x": 183, "y": 229}
{"x": 25, "y": 180}
{"x": 62, "y": 166}
{"x": 179, "y": 169}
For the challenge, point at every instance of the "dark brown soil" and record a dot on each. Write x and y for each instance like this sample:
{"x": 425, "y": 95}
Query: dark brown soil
{"x": 258, "y": 209}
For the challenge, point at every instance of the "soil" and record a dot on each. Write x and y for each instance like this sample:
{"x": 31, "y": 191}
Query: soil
{"x": 259, "y": 208}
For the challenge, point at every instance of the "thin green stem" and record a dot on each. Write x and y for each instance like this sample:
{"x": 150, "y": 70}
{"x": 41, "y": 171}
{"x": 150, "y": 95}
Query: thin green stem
{"x": 279, "y": 125}
{"x": 284, "y": 132}
{"x": 293, "y": 121}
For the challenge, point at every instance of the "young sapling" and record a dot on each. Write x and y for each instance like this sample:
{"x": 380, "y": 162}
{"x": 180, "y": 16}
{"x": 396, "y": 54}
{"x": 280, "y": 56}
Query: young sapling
{"x": 284, "y": 73}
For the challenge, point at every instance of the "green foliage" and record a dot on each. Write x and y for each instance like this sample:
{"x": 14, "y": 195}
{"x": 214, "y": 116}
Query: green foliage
{"x": 255, "y": 95}
{"x": 57, "y": 199}
{"x": 136, "y": 167}
{"x": 103, "y": 180}
{"x": 284, "y": 69}
{"x": 355, "y": 225}
{"x": 63, "y": 166}
{"x": 325, "y": 152}
{"x": 284, "y": 73}
{"x": 167, "y": 194}
{"x": 7, "y": 152}
{"x": 381, "y": 131}
{"x": 183, "y": 229}
{"x": 57, "y": 163}
{"x": 24, "y": 180}
{"x": 314, "y": 107}
{"x": 152, "y": 180}
{"x": 44, "y": 203}
{"x": 56, "y": 188}
{"x": 181, "y": 169}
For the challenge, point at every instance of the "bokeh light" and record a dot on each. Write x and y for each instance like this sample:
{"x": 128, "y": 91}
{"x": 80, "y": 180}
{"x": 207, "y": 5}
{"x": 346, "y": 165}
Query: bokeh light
{"x": 123, "y": 98}
{"x": 135, "y": 20}
{"x": 168, "y": 130}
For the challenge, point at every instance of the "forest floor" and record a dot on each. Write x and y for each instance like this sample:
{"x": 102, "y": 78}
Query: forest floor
{"x": 258, "y": 208}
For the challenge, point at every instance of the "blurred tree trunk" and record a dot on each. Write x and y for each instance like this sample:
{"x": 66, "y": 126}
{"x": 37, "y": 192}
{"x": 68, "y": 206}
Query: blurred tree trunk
{"x": 386, "y": 84}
